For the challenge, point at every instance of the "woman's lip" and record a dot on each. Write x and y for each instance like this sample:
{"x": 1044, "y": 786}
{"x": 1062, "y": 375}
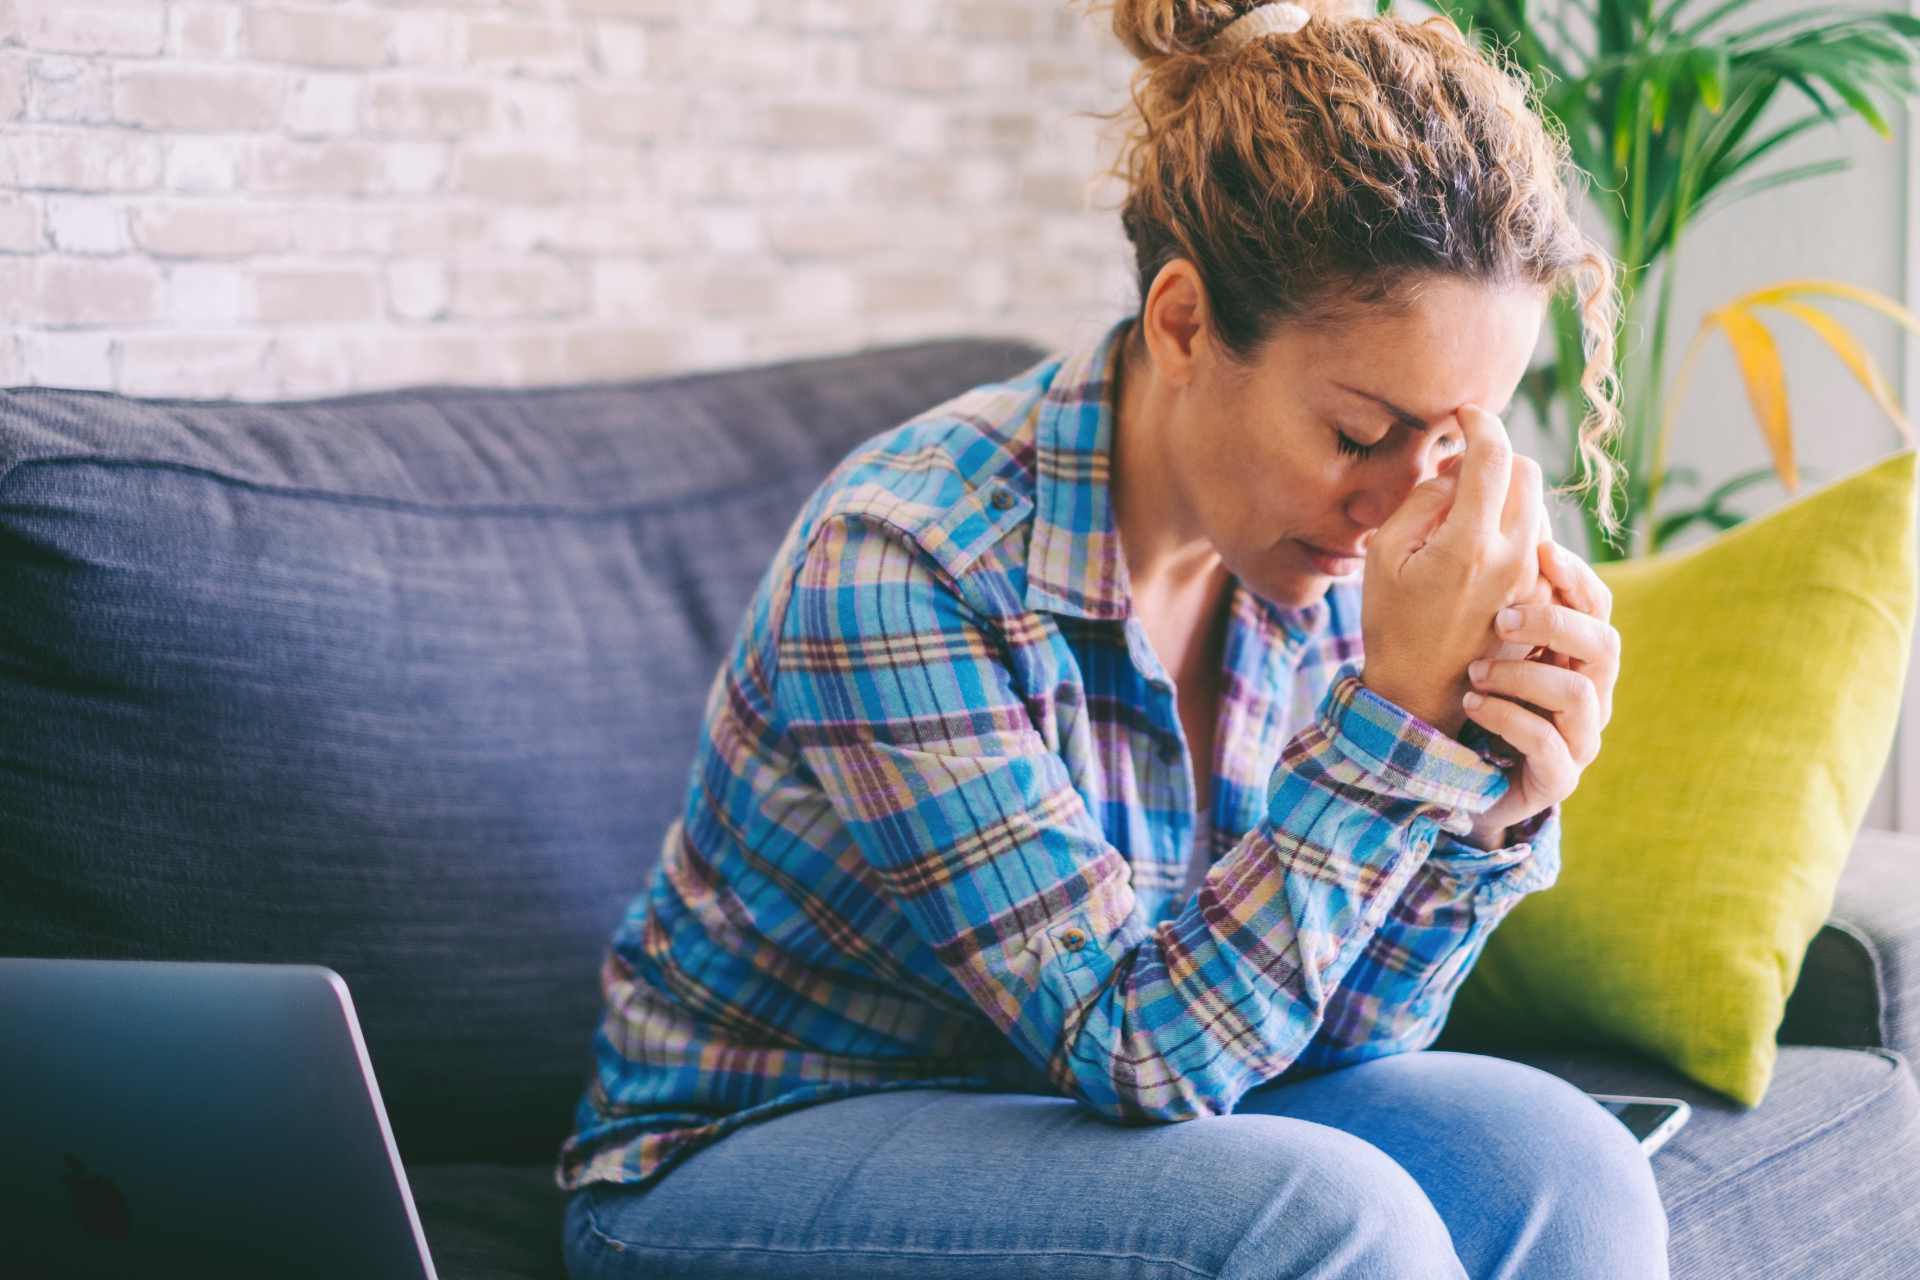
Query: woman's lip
{"x": 1337, "y": 565}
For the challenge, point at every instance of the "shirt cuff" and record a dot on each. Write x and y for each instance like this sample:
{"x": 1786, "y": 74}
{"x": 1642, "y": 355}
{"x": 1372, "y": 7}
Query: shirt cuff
{"x": 1412, "y": 757}
{"x": 1528, "y": 860}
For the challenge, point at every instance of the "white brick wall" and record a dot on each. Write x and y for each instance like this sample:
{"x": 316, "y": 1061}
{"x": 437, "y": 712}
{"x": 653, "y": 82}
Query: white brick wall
{"x": 270, "y": 198}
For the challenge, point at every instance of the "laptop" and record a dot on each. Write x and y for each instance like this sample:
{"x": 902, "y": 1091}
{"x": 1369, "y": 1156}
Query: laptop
{"x": 184, "y": 1119}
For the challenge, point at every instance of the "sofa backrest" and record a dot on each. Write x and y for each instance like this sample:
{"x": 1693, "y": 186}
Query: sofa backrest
{"x": 403, "y": 683}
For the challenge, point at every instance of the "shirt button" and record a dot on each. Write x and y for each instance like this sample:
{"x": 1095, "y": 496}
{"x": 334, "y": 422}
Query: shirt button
{"x": 1073, "y": 939}
{"x": 1002, "y": 500}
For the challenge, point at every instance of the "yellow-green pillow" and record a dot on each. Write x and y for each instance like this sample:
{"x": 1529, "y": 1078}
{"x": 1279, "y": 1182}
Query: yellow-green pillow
{"x": 1760, "y": 683}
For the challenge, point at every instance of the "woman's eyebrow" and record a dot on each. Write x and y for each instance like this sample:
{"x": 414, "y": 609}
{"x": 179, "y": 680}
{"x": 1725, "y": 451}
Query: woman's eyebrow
{"x": 1406, "y": 418}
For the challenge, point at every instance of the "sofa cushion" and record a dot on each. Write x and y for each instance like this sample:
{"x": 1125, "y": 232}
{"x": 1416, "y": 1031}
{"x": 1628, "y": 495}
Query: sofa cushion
{"x": 406, "y": 684}
{"x": 1817, "y": 1181}
{"x": 490, "y": 1221}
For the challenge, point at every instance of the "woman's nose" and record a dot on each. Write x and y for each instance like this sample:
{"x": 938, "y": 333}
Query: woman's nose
{"x": 1374, "y": 505}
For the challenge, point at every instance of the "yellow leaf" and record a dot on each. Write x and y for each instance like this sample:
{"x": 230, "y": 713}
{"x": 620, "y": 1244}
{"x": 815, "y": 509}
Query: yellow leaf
{"x": 1853, "y": 355}
{"x": 1773, "y": 294}
{"x": 1766, "y": 383}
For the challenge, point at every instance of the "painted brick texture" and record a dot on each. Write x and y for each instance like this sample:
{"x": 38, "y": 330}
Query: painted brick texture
{"x": 283, "y": 198}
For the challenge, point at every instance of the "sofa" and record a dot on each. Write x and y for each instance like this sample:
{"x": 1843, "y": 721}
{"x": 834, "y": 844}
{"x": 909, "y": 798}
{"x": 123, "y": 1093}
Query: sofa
{"x": 407, "y": 684}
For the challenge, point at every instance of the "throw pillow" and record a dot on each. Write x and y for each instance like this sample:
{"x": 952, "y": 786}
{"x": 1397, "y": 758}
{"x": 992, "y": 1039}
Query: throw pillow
{"x": 1760, "y": 684}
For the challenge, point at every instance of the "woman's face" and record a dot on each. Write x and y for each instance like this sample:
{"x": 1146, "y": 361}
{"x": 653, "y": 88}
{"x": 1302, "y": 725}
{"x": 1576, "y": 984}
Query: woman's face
{"x": 1332, "y": 429}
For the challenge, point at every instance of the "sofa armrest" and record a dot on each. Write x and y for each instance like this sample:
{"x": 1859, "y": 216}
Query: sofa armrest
{"x": 1860, "y": 981}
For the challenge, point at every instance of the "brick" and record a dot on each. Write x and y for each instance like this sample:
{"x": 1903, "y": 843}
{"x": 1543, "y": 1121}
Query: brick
{"x": 718, "y": 291}
{"x": 86, "y": 224}
{"x": 517, "y": 173}
{"x": 80, "y": 291}
{"x": 897, "y": 292}
{"x": 204, "y": 292}
{"x": 203, "y": 164}
{"x": 820, "y": 292}
{"x": 621, "y": 352}
{"x": 316, "y": 295}
{"x": 22, "y": 225}
{"x": 195, "y": 365}
{"x": 632, "y": 113}
{"x": 820, "y": 234}
{"x": 78, "y": 159}
{"x": 411, "y": 358}
{"x": 414, "y": 168}
{"x": 77, "y": 361}
{"x": 210, "y": 31}
{"x": 428, "y": 108}
{"x": 428, "y": 39}
{"x": 814, "y": 124}
{"x": 995, "y": 19}
{"x": 537, "y": 47}
{"x": 193, "y": 98}
{"x": 542, "y": 108}
{"x": 618, "y": 49}
{"x": 911, "y": 66}
{"x": 13, "y": 86}
{"x": 128, "y": 28}
{"x": 751, "y": 60}
{"x": 998, "y": 130}
{"x": 309, "y": 363}
{"x": 318, "y": 38}
{"x": 222, "y": 229}
{"x": 857, "y": 15}
{"x": 639, "y": 10}
{"x": 73, "y": 90}
{"x": 325, "y": 168}
{"x": 417, "y": 289}
{"x": 625, "y": 287}
{"x": 622, "y": 226}
{"x": 545, "y": 287}
{"x": 322, "y": 105}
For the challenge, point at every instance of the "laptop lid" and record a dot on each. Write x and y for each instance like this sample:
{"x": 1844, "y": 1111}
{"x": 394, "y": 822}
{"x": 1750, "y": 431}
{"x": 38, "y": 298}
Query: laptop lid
{"x": 172, "y": 1118}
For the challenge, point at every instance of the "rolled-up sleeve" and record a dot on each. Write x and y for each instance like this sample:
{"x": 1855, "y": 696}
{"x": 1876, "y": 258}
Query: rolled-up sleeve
{"x": 1396, "y": 997}
{"x": 901, "y": 696}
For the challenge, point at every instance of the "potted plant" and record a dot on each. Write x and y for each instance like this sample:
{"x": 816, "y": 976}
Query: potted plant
{"x": 1661, "y": 104}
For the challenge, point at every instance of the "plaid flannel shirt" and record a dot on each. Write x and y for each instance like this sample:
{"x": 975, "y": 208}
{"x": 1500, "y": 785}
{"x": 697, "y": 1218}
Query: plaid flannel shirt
{"x": 937, "y": 825}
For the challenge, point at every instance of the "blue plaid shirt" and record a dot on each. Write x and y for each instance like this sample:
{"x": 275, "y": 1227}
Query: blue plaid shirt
{"x": 939, "y": 816}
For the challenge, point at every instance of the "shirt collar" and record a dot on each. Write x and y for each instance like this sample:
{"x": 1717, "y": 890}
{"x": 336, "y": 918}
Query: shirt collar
{"x": 1074, "y": 561}
{"x": 1074, "y": 564}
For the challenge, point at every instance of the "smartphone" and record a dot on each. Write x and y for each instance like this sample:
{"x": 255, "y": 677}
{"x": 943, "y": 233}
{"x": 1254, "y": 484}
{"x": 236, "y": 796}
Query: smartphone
{"x": 1652, "y": 1120}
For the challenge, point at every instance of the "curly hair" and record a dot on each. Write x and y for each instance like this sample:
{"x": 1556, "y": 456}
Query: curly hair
{"x": 1314, "y": 175}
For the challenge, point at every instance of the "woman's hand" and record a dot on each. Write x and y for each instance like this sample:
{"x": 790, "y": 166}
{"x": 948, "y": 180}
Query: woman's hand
{"x": 1551, "y": 709}
{"x": 1462, "y": 545}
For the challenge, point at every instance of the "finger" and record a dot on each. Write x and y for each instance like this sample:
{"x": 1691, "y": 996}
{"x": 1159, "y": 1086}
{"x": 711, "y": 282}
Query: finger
{"x": 1576, "y": 579}
{"x": 1520, "y": 518}
{"x": 1580, "y": 636}
{"x": 1592, "y": 646}
{"x": 1546, "y": 752}
{"x": 1568, "y": 697}
{"x": 1484, "y": 469}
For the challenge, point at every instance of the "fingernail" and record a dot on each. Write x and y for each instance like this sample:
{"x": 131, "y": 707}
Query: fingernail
{"x": 1509, "y": 619}
{"x": 1472, "y": 700}
{"x": 1477, "y": 669}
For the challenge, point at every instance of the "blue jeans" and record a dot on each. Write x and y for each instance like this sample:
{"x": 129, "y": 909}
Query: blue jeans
{"x": 1415, "y": 1165}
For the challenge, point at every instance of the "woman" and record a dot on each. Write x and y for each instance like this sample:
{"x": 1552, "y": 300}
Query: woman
{"x": 1057, "y": 892}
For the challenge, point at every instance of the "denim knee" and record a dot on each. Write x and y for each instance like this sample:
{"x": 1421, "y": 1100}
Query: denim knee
{"x": 1595, "y": 1209}
{"x": 1336, "y": 1206}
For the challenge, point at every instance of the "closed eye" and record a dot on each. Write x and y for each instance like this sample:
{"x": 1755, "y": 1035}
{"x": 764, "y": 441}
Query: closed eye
{"x": 1353, "y": 448}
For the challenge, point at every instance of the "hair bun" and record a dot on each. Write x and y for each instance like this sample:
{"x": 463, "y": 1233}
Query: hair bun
{"x": 1156, "y": 28}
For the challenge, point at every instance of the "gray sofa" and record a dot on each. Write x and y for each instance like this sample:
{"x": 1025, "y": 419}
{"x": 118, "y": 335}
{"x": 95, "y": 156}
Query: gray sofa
{"x": 407, "y": 684}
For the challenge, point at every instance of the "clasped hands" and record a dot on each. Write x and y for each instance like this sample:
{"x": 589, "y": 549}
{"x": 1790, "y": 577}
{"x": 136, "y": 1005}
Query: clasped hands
{"x": 1468, "y": 566}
